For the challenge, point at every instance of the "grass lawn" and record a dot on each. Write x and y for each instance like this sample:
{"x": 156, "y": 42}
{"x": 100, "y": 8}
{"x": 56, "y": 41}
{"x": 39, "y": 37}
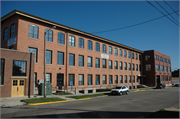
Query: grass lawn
{"x": 164, "y": 114}
{"x": 40, "y": 100}
{"x": 63, "y": 93}
{"x": 86, "y": 96}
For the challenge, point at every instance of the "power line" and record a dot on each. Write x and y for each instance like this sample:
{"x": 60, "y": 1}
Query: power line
{"x": 171, "y": 7}
{"x": 166, "y": 11}
{"x": 161, "y": 12}
{"x": 135, "y": 24}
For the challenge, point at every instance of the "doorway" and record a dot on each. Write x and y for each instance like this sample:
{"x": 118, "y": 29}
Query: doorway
{"x": 60, "y": 81}
{"x": 157, "y": 79}
{"x": 18, "y": 87}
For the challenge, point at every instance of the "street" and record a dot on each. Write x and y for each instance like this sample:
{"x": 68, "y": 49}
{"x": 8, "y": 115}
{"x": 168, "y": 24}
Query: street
{"x": 127, "y": 106}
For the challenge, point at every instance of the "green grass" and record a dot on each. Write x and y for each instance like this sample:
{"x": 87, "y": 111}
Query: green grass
{"x": 162, "y": 113}
{"x": 86, "y": 96}
{"x": 40, "y": 100}
{"x": 63, "y": 93}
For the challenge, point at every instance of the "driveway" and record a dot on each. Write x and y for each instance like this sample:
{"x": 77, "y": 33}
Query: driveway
{"x": 127, "y": 106}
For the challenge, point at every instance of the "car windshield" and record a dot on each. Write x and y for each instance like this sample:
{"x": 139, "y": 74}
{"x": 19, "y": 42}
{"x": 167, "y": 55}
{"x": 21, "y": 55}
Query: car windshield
{"x": 117, "y": 88}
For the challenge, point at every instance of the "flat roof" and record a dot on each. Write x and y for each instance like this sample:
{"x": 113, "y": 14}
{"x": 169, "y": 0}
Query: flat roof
{"x": 65, "y": 27}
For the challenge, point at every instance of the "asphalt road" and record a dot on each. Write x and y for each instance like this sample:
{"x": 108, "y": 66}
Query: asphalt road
{"x": 127, "y": 106}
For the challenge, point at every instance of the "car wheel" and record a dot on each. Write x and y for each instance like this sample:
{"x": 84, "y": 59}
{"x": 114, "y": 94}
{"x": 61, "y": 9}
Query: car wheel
{"x": 126, "y": 92}
{"x": 120, "y": 93}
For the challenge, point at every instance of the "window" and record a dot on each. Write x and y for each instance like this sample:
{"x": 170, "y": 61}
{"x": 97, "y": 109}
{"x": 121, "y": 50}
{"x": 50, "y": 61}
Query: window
{"x": 116, "y": 65}
{"x": 72, "y": 41}
{"x": 19, "y": 68}
{"x": 81, "y": 79}
{"x": 166, "y": 78}
{"x": 147, "y": 57}
{"x": 169, "y": 62}
{"x": 162, "y": 68}
{"x": 156, "y": 57}
{"x": 89, "y": 61}
{"x": 161, "y": 59}
{"x": 129, "y": 79}
{"x": 5, "y": 33}
{"x": 129, "y": 55}
{"x": 49, "y": 35}
{"x": 125, "y": 78}
{"x": 121, "y": 66}
{"x": 60, "y": 58}
{"x": 104, "y": 80}
{"x": 97, "y": 47}
{"x": 81, "y": 43}
{"x": 33, "y": 31}
{"x": 71, "y": 60}
{"x": 133, "y": 67}
{"x": 60, "y": 38}
{"x": 129, "y": 65}
{"x": 35, "y": 79}
{"x": 89, "y": 45}
{"x": 81, "y": 60}
{"x": 139, "y": 57}
{"x": 104, "y": 63}
{"x": 136, "y": 57}
{"x": 116, "y": 79}
{"x": 12, "y": 31}
{"x": 169, "y": 69}
{"x": 125, "y": 66}
{"x": 71, "y": 79}
{"x": 115, "y": 52}
{"x": 97, "y": 63}
{"x": 148, "y": 67}
{"x": 133, "y": 79}
{"x": 97, "y": 79}
{"x": 110, "y": 79}
{"x": 139, "y": 67}
{"x": 137, "y": 79}
{"x": 170, "y": 78}
{"x": 132, "y": 55}
{"x": 125, "y": 55}
{"x": 89, "y": 79}
{"x": 162, "y": 78}
{"x": 165, "y": 60}
{"x": 33, "y": 50}
{"x": 165, "y": 68}
{"x": 110, "y": 64}
{"x": 2, "y": 71}
{"x": 110, "y": 50}
{"x": 136, "y": 67}
{"x": 120, "y": 52}
{"x": 48, "y": 77}
{"x": 157, "y": 67}
{"x": 121, "y": 79}
{"x": 104, "y": 48}
{"x": 48, "y": 57}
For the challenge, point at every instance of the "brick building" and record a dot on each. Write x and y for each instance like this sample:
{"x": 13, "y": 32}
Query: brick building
{"x": 74, "y": 58}
{"x": 17, "y": 73}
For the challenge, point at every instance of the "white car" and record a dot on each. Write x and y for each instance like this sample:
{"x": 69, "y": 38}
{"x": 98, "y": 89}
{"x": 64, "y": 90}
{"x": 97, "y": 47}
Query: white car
{"x": 120, "y": 90}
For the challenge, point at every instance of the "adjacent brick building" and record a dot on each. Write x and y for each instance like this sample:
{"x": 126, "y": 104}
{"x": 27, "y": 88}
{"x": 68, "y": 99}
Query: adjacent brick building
{"x": 74, "y": 58}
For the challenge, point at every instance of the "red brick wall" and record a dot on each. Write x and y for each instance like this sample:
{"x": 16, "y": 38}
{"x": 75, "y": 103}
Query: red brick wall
{"x": 9, "y": 56}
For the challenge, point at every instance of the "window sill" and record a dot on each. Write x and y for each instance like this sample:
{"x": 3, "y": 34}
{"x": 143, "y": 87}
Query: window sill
{"x": 81, "y": 66}
{"x": 81, "y": 48}
{"x": 98, "y": 68}
{"x": 49, "y": 41}
{"x": 90, "y": 67}
{"x": 60, "y": 44}
{"x": 48, "y": 64}
{"x": 71, "y": 66}
{"x": 34, "y": 38}
{"x": 60, "y": 65}
{"x": 1, "y": 85}
{"x": 72, "y": 46}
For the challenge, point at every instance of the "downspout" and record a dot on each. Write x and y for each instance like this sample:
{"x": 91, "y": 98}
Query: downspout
{"x": 29, "y": 84}
{"x": 131, "y": 72}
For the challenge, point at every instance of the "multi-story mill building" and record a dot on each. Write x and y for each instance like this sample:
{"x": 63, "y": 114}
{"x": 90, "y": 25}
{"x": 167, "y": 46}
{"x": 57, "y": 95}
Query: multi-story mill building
{"x": 74, "y": 58}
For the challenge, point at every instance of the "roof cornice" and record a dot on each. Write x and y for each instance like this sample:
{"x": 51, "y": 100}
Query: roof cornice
{"x": 65, "y": 27}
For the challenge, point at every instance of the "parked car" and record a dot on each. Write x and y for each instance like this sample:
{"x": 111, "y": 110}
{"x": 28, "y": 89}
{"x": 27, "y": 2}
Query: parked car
{"x": 176, "y": 85}
{"x": 160, "y": 85}
{"x": 120, "y": 90}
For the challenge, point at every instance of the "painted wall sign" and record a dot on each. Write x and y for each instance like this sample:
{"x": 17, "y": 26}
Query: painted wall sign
{"x": 104, "y": 56}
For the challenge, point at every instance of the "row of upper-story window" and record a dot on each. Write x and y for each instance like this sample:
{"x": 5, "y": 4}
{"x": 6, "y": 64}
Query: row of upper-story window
{"x": 161, "y": 59}
{"x": 34, "y": 30}
{"x": 12, "y": 32}
{"x": 163, "y": 68}
{"x": 166, "y": 78}
{"x": 60, "y": 60}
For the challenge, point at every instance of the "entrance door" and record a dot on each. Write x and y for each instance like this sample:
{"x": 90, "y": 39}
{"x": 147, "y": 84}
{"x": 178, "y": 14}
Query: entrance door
{"x": 18, "y": 87}
{"x": 60, "y": 81}
{"x": 158, "y": 79}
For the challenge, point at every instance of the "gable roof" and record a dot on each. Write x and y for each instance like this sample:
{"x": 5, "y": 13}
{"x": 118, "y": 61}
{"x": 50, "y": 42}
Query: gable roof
{"x": 66, "y": 27}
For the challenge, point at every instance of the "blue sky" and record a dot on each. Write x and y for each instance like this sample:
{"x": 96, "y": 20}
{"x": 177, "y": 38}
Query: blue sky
{"x": 91, "y": 16}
